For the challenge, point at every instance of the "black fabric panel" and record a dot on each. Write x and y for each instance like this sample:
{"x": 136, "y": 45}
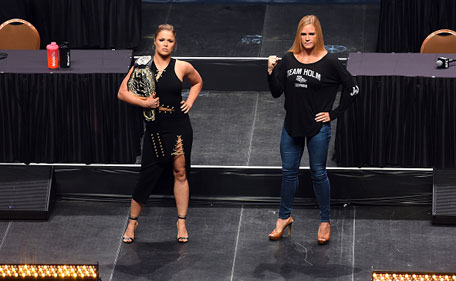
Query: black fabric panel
{"x": 404, "y": 24}
{"x": 94, "y": 24}
{"x": 399, "y": 121}
{"x": 253, "y": 185}
{"x": 71, "y": 118}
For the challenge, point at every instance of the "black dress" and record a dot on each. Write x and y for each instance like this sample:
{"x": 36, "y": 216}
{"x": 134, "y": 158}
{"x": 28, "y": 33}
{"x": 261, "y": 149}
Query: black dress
{"x": 168, "y": 136}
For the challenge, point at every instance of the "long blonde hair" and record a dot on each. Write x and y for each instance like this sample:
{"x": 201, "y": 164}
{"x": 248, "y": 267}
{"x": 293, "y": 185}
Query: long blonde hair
{"x": 297, "y": 47}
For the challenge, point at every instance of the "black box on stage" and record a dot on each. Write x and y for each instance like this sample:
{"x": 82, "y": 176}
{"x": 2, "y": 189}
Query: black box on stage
{"x": 26, "y": 192}
{"x": 444, "y": 197}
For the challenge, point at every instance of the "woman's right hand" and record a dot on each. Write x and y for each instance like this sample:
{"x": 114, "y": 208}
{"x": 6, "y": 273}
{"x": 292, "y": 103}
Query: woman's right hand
{"x": 272, "y": 62}
{"x": 151, "y": 102}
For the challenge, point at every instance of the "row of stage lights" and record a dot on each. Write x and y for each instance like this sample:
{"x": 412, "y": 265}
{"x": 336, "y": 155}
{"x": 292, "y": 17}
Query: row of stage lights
{"x": 48, "y": 272}
{"x": 412, "y": 276}
{"x": 90, "y": 272}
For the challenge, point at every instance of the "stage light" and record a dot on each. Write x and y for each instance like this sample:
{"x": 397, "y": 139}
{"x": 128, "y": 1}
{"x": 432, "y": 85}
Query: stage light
{"x": 412, "y": 276}
{"x": 56, "y": 272}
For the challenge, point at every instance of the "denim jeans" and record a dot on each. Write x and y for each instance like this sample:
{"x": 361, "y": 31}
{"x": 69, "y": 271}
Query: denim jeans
{"x": 291, "y": 150}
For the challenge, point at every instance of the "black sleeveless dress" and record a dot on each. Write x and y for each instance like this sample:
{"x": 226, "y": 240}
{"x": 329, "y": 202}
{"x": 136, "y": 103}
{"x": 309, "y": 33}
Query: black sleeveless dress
{"x": 168, "y": 136}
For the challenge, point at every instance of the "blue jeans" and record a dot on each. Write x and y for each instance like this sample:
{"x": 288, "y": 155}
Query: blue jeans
{"x": 291, "y": 150}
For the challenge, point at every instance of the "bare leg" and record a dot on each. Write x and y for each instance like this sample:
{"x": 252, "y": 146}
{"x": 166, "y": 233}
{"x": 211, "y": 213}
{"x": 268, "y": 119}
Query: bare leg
{"x": 181, "y": 194}
{"x": 135, "y": 210}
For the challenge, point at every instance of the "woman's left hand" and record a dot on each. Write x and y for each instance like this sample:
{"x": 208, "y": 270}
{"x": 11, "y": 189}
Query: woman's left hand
{"x": 185, "y": 106}
{"x": 322, "y": 117}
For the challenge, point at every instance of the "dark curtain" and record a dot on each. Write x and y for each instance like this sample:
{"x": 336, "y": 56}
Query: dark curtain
{"x": 399, "y": 121}
{"x": 66, "y": 118}
{"x": 86, "y": 24}
{"x": 10, "y": 9}
{"x": 404, "y": 24}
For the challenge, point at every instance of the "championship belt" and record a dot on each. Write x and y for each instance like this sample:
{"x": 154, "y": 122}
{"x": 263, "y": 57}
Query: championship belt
{"x": 142, "y": 83}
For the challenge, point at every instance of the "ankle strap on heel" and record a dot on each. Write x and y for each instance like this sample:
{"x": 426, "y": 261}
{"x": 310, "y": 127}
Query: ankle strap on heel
{"x": 133, "y": 218}
{"x": 181, "y": 217}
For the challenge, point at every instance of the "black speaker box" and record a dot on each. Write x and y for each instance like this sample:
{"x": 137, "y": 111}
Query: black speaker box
{"x": 444, "y": 197}
{"x": 26, "y": 192}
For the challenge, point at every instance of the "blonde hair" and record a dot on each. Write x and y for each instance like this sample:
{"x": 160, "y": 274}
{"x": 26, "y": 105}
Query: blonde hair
{"x": 297, "y": 47}
{"x": 164, "y": 27}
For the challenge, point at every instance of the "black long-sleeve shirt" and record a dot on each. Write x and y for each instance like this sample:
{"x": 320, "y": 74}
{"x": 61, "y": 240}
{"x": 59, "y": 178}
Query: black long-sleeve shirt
{"x": 309, "y": 89}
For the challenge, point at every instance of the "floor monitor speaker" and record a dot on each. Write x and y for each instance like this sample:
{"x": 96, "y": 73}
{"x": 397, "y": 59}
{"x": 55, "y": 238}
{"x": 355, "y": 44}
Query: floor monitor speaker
{"x": 26, "y": 192}
{"x": 444, "y": 196}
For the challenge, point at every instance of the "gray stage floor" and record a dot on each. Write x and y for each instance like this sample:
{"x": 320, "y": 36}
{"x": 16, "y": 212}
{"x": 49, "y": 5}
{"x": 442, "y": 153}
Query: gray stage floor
{"x": 230, "y": 243}
{"x": 241, "y": 129}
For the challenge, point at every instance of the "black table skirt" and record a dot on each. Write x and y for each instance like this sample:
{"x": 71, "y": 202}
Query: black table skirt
{"x": 67, "y": 116}
{"x": 399, "y": 121}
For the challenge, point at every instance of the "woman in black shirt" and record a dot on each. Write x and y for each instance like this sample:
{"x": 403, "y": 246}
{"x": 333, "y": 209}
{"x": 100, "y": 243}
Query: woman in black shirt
{"x": 310, "y": 78}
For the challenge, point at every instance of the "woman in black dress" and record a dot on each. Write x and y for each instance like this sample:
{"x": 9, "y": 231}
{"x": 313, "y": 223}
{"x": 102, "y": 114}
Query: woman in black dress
{"x": 168, "y": 137}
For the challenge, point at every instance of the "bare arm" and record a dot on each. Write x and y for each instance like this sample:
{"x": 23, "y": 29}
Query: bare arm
{"x": 126, "y": 96}
{"x": 190, "y": 73}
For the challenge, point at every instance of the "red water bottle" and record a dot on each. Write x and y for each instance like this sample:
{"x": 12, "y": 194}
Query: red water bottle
{"x": 53, "y": 55}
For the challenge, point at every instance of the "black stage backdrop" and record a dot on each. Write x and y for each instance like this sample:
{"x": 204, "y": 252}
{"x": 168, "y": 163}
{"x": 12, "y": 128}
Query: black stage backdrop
{"x": 404, "y": 24}
{"x": 93, "y": 24}
{"x": 399, "y": 121}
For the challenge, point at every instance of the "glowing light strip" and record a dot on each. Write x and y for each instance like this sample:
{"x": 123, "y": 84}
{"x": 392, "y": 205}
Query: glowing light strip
{"x": 413, "y": 276}
{"x": 59, "y": 272}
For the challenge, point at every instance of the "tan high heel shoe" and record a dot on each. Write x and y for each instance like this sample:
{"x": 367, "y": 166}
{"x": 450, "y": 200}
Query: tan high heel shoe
{"x": 277, "y": 235}
{"x": 324, "y": 233}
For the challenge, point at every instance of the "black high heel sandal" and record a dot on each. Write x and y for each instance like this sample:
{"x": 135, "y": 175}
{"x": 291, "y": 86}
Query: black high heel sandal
{"x": 127, "y": 239}
{"x": 182, "y": 239}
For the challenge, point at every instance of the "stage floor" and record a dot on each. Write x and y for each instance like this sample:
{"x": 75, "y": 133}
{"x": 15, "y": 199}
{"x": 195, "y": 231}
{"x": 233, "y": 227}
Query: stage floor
{"x": 231, "y": 243}
{"x": 258, "y": 29}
